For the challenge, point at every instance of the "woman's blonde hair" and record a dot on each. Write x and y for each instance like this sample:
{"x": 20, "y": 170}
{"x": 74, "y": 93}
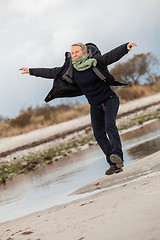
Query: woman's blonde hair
{"x": 81, "y": 45}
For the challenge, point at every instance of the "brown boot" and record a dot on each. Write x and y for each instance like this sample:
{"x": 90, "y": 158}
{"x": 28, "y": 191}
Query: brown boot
{"x": 113, "y": 169}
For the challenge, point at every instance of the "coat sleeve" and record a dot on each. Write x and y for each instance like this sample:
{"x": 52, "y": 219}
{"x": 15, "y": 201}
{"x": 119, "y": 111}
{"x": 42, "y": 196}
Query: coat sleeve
{"x": 45, "y": 72}
{"x": 114, "y": 55}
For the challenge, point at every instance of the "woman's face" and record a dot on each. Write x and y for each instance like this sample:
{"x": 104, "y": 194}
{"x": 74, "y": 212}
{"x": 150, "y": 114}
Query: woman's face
{"x": 76, "y": 51}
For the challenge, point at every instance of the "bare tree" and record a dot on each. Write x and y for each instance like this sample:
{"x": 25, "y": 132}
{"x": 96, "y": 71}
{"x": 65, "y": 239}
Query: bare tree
{"x": 136, "y": 69}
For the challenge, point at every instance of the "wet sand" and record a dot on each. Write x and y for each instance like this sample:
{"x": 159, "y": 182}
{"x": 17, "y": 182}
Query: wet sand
{"x": 120, "y": 207}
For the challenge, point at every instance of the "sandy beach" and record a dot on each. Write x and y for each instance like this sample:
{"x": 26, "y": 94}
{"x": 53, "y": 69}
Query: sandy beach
{"x": 120, "y": 207}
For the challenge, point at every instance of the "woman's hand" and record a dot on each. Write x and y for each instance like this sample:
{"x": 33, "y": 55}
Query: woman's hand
{"x": 130, "y": 45}
{"x": 25, "y": 70}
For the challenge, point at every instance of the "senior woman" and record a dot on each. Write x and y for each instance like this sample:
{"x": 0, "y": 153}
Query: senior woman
{"x": 88, "y": 70}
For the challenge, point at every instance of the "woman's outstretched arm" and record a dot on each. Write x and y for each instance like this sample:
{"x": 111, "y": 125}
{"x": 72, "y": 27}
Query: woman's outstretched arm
{"x": 42, "y": 72}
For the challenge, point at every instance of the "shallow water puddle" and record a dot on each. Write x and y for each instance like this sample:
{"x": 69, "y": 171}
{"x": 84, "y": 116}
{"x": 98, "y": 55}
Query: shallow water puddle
{"x": 141, "y": 142}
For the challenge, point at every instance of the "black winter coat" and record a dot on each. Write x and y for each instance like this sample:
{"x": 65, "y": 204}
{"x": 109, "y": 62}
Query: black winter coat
{"x": 64, "y": 86}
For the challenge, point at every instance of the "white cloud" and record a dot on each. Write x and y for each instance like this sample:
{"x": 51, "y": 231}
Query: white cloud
{"x": 64, "y": 37}
{"x": 33, "y": 8}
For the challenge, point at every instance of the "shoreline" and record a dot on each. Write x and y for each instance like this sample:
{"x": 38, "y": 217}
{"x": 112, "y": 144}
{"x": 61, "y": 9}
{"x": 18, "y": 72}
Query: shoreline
{"x": 128, "y": 201}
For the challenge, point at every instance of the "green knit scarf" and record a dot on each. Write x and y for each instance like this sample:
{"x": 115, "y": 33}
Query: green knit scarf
{"x": 84, "y": 62}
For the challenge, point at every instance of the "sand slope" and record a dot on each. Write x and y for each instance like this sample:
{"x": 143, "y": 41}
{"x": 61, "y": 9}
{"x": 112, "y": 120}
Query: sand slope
{"x": 128, "y": 211}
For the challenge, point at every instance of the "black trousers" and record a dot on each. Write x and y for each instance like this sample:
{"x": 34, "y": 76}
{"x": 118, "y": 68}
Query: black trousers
{"x": 104, "y": 127}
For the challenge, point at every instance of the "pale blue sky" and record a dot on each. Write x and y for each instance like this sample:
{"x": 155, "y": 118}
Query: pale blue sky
{"x": 36, "y": 33}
